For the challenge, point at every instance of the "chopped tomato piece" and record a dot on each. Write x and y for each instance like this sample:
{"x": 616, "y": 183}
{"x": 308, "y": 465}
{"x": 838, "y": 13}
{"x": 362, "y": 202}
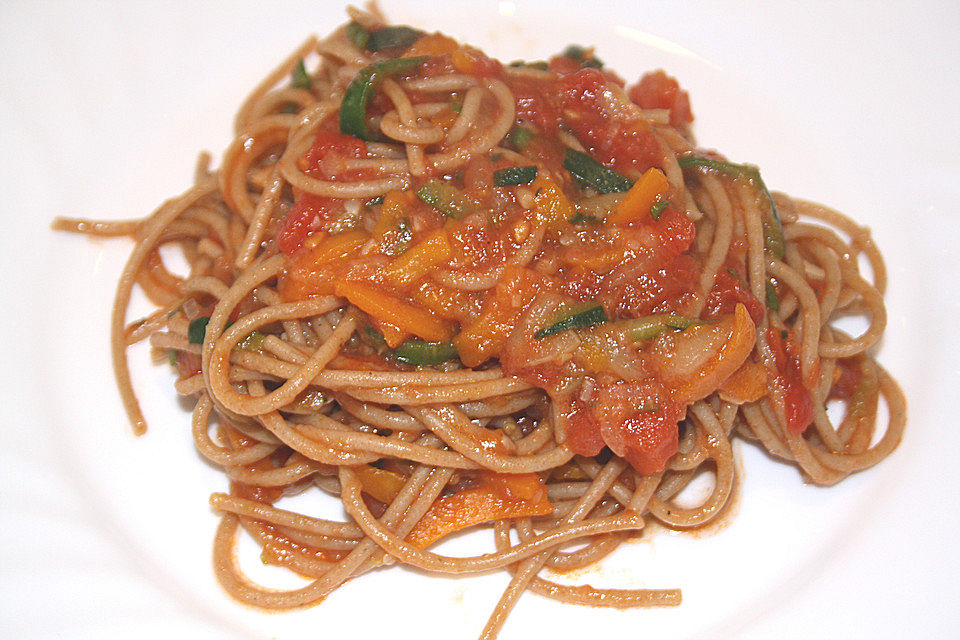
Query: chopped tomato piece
{"x": 327, "y": 157}
{"x": 188, "y": 364}
{"x": 728, "y": 290}
{"x": 613, "y": 135}
{"x": 657, "y": 90}
{"x": 474, "y": 62}
{"x": 304, "y": 217}
{"x": 798, "y": 403}
{"x": 537, "y": 102}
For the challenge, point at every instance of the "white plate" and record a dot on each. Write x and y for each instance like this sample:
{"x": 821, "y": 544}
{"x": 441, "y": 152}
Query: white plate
{"x": 103, "y": 108}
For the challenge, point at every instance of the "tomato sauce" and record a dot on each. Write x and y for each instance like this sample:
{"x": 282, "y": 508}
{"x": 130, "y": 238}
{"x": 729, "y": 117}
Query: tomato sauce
{"x": 414, "y": 246}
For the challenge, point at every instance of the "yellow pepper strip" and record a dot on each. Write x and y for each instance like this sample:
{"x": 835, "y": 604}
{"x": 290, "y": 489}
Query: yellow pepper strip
{"x": 746, "y": 384}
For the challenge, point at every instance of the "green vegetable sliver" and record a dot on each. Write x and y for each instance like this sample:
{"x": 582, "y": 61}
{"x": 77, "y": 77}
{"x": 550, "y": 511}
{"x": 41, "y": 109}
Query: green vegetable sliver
{"x": 299, "y": 77}
{"x": 652, "y": 326}
{"x": 512, "y": 176}
{"x": 593, "y": 174}
{"x": 773, "y": 302}
{"x": 353, "y": 109}
{"x": 197, "y": 330}
{"x": 772, "y": 226}
{"x": 657, "y": 208}
{"x": 357, "y": 35}
{"x": 520, "y": 137}
{"x": 421, "y": 353}
{"x": 395, "y": 36}
{"x": 592, "y": 316}
{"x": 445, "y": 198}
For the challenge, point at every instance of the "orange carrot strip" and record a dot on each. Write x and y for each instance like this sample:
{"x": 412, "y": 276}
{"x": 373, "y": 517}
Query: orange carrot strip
{"x": 746, "y": 384}
{"x": 551, "y": 206}
{"x": 448, "y": 302}
{"x": 394, "y": 203}
{"x": 497, "y": 497}
{"x": 434, "y": 44}
{"x": 336, "y": 247}
{"x": 417, "y": 261}
{"x": 392, "y": 335}
{"x": 482, "y": 339}
{"x": 379, "y": 484}
{"x": 645, "y": 192}
{"x": 384, "y": 307}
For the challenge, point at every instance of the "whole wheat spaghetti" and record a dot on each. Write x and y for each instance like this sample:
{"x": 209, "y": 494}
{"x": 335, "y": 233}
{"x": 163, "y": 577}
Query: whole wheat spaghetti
{"x": 454, "y": 293}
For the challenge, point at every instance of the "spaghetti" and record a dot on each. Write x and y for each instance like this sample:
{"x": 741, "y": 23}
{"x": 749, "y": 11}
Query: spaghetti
{"x": 458, "y": 294}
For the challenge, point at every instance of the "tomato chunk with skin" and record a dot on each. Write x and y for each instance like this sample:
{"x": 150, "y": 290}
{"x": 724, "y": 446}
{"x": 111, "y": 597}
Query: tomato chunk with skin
{"x": 728, "y": 290}
{"x": 639, "y": 422}
{"x": 616, "y": 136}
{"x": 327, "y": 159}
{"x": 305, "y": 216}
{"x": 328, "y": 156}
{"x": 657, "y": 90}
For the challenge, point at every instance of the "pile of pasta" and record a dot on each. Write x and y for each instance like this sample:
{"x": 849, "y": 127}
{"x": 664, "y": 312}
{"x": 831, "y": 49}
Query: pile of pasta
{"x": 456, "y": 294}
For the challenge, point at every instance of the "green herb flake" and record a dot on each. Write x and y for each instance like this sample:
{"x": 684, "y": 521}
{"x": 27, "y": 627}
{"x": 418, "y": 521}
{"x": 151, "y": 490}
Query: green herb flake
{"x": 396, "y": 36}
{"x": 657, "y": 208}
{"x": 420, "y": 353}
{"x": 353, "y": 108}
{"x": 253, "y": 342}
{"x": 580, "y": 218}
{"x": 593, "y": 174}
{"x": 299, "y": 77}
{"x": 772, "y": 226}
{"x": 357, "y": 35}
{"x": 773, "y": 302}
{"x": 197, "y": 330}
{"x": 583, "y": 55}
{"x": 649, "y": 327}
{"x": 445, "y": 198}
{"x": 736, "y": 275}
{"x": 520, "y": 137}
{"x": 535, "y": 64}
{"x": 373, "y": 337}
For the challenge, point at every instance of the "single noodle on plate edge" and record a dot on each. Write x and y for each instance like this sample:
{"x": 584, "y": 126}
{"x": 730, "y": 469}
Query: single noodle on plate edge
{"x": 459, "y": 294}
